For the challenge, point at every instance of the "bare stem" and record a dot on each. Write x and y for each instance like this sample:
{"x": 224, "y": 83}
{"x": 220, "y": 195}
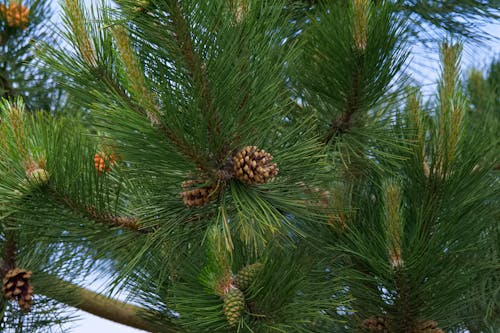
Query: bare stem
{"x": 104, "y": 307}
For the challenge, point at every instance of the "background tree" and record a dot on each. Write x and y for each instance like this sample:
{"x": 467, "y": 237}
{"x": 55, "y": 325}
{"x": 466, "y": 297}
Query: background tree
{"x": 236, "y": 179}
{"x": 21, "y": 23}
{"x": 433, "y": 20}
{"x": 482, "y": 89}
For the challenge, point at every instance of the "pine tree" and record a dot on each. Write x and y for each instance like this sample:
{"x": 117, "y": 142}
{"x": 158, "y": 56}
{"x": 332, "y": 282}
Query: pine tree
{"x": 21, "y": 76}
{"x": 21, "y": 23}
{"x": 239, "y": 168}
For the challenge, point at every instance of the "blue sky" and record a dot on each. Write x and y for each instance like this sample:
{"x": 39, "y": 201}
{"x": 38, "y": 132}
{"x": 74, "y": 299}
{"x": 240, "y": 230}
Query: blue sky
{"x": 473, "y": 56}
{"x": 92, "y": 324}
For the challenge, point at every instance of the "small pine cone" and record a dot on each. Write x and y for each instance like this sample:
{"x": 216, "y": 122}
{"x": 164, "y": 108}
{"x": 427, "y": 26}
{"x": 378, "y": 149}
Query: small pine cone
{"x": 16, "y": 286}
{"x": 15, "y": 15}
{"x": 376, "y": 324}
{"x": 428, "y": 326}
{"x": 141, "y": 5}
{"x": 246, "y": 275}
{"x": 234, "y": 304}
{"x": 39, "y": 176}
{"x": 252, "y": 165}
{"x": 103, "y": 162}
{"x": 197, "y": 194}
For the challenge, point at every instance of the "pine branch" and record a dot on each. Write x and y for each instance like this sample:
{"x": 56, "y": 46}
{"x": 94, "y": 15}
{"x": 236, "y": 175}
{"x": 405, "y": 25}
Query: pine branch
{"x": 135, "y": 74}
{"x": 117, "y": 89}
{"x": 6, "y": 88}
{"x": 197, "y": 71}
{"x": 9, "y": 258}
{"x": 198, "y": 74}
{"x": 104, "y": 307}
{"x": 344, "y": 122}
{"x": 129, "y": 223}
{"x": 76, "y": 22}
{"x": 407, "y": 321}
{"x": 87, "y": 48}
{"x": 358, "y": 52}
{"x": 239, "y": 12}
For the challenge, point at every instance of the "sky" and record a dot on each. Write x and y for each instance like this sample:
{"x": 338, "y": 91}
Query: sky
{"x": 474, "y": 56}
{"x": 92, "y": 324}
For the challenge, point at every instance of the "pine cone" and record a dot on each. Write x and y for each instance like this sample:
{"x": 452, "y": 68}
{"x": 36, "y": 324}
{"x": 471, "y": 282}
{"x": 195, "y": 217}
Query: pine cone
{"x": 377, "y": 324}
{"x": 428, "y": 326}
{"x": 15, "y": 15}
{"x": 196, "y": 194}
{"x": 16, "y": 286}
{"x": 103, "y": 162}
{"x": 39, "y": 176}
{"x": 141, "y": 5}
{"x": 234, "y": 304}
{"x": 253, "y": 166}
{"x": 246, "y": 275}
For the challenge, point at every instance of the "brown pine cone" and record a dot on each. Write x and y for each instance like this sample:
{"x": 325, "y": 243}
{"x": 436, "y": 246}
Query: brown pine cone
{"x": 197, "y": 194}
{"x": 428, "y": 326}
{"x": 252, "y": 165}
{"x": 377, "y": 324}
{"x": 16, "y": 286}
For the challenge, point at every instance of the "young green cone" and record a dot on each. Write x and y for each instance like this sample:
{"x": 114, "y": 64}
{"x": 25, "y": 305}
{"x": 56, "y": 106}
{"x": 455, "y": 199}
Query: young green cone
{"x": 234, "y": 304}
{"x": 246, "y": 275}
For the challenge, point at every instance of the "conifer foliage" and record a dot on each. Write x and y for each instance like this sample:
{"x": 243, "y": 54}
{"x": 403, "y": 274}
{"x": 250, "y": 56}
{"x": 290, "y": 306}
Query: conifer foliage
{"x": 21, "y": 23}
{"x": 237, "y": 169}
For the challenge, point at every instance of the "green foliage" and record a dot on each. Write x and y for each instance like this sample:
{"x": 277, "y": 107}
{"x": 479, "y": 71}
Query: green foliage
{"x": 429, "y": 20}
{"x": 483, "y": 93}
{"x": 483, "y": 114}
{"x": 378, "y": 210}
{"x": 21, "y": 73}
{"x": 450, "y": 17}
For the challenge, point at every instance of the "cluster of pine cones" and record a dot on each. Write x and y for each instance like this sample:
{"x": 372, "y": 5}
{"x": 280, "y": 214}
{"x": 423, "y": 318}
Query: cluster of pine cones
{"x": 15, "y": 15}
{"x": 16, "y": 286}
{"x": 250, "y": 165}
{"x": 234, "y": 299}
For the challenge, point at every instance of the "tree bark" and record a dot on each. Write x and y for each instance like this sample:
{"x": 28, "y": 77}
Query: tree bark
{"x": 102, "y": 306}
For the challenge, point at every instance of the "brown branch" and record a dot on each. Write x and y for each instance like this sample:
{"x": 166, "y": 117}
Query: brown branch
{"x": 340, "y": 125}
{"x": 101, "y": 306}
{"x": 130, "y": 223}
{"x": 344, "y": 122}
{"x": 6, "y": 86}
{"x": 9, "y": 258}
{"x": 406, "y": 324}
{"x": 126, "y": 222}
{"x": 184, "y": 148}
{"x": 198, "y": 74}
